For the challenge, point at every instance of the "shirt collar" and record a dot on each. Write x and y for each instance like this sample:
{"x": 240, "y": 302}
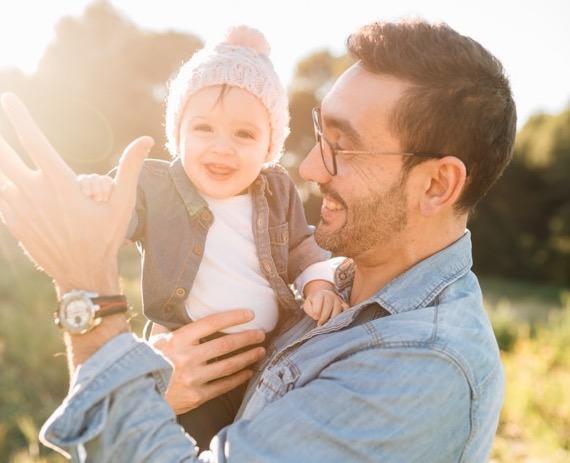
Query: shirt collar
{"x": 419, "y": 285}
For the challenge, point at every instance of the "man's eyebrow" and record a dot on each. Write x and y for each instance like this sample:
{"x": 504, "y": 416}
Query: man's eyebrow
{"x": 345, "y": 127}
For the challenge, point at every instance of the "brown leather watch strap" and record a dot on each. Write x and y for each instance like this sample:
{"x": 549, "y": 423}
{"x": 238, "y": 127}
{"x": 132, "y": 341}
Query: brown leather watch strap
{"x": 110, "y": 305}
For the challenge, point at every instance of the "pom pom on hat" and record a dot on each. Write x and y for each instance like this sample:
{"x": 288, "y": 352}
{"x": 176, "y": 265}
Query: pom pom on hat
{"x": 245, "y": 36}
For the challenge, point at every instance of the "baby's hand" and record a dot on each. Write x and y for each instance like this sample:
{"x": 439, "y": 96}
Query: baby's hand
{"x": 322, "y": 304}
{"x": 97, "y": 187}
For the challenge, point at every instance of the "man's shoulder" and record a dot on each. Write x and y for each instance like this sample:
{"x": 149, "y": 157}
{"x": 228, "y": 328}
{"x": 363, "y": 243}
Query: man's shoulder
{"x": 454, "y": 326}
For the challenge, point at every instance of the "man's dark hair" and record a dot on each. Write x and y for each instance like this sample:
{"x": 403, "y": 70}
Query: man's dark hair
{"x": 459, "y": 101}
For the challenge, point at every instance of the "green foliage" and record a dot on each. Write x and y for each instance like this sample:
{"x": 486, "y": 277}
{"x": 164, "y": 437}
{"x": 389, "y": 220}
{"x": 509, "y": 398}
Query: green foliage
{"x": 34, "y": 377}
{"x": 535, "y": 420}
{"x": 522, "y": 227}
{"x": 100, "y": 84}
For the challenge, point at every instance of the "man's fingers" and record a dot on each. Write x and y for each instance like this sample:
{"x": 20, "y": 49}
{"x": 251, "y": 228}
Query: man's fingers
{"x": 32, "y": 138}
{"x": 221, "y": 386}
{"x": 228, "y": 343}
{"x": 193, "y": 332}
{"x": 5, "y": 212}
{"x": 10, "y": 163}
{"x": 231, "y": 365}
{"x": 131, "y": 163}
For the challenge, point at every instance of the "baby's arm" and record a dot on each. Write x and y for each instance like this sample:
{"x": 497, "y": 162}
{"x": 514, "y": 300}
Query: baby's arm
{"x": 316, "y": 283}
{"x": 321, "y": 301}
{"x": 97, "y": 187}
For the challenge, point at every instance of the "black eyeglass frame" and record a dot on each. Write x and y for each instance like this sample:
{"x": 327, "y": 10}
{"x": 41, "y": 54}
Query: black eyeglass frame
{"x": 321, "y": 139}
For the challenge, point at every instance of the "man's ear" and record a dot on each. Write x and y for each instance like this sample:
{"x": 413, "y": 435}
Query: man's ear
{"x": 444, "y": 182}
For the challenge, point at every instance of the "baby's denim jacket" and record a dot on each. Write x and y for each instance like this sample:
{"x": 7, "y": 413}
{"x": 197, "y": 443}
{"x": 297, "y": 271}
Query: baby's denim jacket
{"x": 170, "y": 224}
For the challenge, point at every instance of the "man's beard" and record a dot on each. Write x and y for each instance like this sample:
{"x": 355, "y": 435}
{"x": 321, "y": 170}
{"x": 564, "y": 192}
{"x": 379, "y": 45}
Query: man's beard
{"x": 370, "y": 220}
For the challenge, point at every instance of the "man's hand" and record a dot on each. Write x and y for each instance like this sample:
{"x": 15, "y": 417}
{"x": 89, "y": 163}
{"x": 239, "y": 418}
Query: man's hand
{"x": 194, "y": 380}
{"x": 72, "y": 238}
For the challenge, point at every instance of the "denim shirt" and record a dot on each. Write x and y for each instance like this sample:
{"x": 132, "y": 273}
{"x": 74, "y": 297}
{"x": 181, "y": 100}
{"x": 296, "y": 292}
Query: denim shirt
{"x": 411, "y": 375}
{"x": 171, "y": 222}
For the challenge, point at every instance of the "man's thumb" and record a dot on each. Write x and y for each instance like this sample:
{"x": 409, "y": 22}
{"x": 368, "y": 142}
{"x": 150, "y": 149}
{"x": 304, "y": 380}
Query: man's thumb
{"x": 131, "y": 163}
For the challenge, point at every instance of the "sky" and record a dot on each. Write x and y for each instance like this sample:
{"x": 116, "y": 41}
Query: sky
{"x": 532, "y": 39}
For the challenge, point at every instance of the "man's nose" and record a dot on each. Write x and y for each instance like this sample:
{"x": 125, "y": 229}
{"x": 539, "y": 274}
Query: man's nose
{"x": 312, "y": 168}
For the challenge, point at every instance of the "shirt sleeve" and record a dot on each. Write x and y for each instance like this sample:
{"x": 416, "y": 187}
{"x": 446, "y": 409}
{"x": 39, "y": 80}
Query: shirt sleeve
{"x": 324, "y": 270}
{"x": 390, "y": 405}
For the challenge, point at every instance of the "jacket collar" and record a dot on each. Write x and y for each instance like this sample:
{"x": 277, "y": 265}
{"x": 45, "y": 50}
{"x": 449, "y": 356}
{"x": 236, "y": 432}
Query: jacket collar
{"x": 192, "y": 199}
{"x": 187, "y": 191}
{"x": 419, "y": 285}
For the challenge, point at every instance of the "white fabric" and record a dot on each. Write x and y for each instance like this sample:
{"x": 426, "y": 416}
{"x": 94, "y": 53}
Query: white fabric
{"x": 318, "y": 271}
{"x": 229, "y": 276}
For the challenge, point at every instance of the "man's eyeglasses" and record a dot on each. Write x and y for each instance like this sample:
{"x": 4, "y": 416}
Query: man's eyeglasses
{"x": 329, "y": 154}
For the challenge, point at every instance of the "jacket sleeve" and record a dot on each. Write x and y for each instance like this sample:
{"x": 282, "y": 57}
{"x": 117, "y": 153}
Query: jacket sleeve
{"x": 303, "y": 249}
{"x": 387, "y": 403}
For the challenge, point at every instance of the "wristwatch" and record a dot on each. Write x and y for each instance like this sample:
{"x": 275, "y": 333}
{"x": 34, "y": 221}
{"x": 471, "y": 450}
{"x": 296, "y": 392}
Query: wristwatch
{"x": 81, "y": 311}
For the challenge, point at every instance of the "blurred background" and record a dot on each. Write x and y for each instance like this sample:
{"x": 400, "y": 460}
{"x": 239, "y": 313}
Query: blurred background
{"x": 94, "y": 74}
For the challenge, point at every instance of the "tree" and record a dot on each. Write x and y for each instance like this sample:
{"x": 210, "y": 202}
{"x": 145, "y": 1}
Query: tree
{"x": 101, "y": 83}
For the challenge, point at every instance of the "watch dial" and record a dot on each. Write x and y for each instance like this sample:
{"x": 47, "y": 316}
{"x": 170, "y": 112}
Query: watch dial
{"x": 77, "y": 314}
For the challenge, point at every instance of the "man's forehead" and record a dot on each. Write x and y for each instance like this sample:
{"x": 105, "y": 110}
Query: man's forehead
{"x": 360, "y": 95}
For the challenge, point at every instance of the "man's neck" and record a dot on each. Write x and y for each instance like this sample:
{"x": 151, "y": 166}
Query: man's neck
{"x": 376, "y": 267}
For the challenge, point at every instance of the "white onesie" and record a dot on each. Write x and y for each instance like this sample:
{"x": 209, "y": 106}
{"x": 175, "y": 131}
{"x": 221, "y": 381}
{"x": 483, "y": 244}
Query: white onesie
{"x": 230, "y": 277}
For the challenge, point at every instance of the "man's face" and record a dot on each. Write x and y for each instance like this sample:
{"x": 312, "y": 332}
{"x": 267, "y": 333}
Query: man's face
{"x": 365, "y": 203}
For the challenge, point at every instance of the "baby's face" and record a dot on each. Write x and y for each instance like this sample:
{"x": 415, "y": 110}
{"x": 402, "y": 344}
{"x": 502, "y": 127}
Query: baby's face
{"x": 224, "y": 140}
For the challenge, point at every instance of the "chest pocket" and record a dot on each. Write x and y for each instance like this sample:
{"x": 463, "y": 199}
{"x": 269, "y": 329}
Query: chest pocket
{"x": 279, "y": 240}
{"x": 277, "y": 381}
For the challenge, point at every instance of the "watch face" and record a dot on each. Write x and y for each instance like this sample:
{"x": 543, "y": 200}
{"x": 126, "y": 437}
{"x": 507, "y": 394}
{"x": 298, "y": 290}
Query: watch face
{"x": 76, "y": 315}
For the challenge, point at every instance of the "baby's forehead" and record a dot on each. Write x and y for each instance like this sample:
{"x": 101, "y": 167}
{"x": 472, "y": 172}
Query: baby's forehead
{"x": 226, "y": 101}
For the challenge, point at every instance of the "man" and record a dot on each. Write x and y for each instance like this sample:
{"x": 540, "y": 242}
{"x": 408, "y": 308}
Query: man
{"x": 409, "y": 139}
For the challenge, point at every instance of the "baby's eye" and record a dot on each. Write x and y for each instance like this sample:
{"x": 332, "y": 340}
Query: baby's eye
{"x": 248, "y": 134}
{"x": 203, "y": 128}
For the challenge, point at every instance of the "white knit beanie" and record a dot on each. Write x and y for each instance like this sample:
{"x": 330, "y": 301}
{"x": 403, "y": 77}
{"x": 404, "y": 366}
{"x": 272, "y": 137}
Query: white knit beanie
{"x": 241, "y": 60}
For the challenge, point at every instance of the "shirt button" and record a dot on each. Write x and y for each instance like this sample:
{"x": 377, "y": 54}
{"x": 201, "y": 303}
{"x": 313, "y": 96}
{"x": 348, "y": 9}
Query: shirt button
{"x": 180, "y": 292}
{"x": 260, "y": 223}
{"x": 198, "y": 249}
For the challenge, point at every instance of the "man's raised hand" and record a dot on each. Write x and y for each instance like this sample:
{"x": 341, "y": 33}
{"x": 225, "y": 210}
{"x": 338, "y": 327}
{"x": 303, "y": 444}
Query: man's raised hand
{"x": 72, "y": 238}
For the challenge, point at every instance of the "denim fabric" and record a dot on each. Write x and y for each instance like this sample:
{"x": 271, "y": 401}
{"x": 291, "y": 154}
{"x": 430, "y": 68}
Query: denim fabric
{"x": 411, "y": 375}
{"x": 170, "y": 224}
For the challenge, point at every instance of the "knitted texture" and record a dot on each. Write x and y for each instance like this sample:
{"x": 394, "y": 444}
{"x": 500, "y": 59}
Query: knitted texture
{"x": 241, "y": 60}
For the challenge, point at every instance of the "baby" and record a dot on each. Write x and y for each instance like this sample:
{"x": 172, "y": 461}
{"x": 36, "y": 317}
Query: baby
{"x": 222, "y": 225}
